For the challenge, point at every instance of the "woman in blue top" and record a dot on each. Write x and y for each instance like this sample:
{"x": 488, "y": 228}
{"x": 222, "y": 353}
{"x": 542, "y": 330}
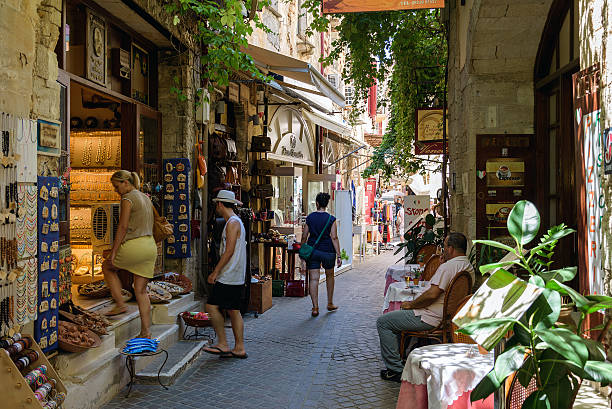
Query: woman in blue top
{"x": 326, "y": 253}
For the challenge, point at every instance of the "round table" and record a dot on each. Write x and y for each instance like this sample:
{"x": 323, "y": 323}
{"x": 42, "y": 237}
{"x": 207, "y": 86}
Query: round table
{"x": 442, "y": 376}
{"x": 397, "y": 272}
{"x": 398, "y": 293}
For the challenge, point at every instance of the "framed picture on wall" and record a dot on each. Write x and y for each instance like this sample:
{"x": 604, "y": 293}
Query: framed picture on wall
{"x": 49, "y": 137}
{"x": 140, "y": 74}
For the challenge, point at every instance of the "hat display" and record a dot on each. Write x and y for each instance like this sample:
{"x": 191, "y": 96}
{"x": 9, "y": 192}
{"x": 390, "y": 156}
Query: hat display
{"x": 227, "y": 196}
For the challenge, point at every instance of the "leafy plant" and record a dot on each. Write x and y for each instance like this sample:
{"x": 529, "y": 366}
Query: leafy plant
{"x": 418, "y": 237}
{"x": 222, "y": 28}
{"x": 557, "y": 355}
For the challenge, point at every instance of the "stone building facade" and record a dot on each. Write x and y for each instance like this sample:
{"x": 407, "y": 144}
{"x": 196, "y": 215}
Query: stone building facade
{"x": 510, "y": 76}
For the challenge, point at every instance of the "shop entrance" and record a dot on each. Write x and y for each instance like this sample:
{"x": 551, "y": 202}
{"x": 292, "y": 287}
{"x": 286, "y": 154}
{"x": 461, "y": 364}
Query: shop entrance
{"x": 557, "y": 60}
{"x": 107, "y": 133}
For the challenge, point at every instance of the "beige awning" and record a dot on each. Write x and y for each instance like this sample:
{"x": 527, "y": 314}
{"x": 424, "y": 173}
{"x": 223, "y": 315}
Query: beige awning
{"x": 328, "y": 122}
{"x": 296, "y": 69}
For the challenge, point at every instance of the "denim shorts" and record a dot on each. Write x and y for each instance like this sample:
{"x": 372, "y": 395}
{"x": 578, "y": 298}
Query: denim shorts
{"x": 321, "y": 258}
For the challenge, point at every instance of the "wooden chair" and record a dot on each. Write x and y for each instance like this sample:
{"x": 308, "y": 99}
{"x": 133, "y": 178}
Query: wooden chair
{"x": 459, "y": 287}
{"x": 459, "y": 338}
{"x": 517, "y": 394}
{"x": 427, "y": 251}
{"x": 431, "y": 267}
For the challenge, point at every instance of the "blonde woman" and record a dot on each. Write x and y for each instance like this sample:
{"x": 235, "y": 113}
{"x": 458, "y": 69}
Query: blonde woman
{"x": 134, "y": 248}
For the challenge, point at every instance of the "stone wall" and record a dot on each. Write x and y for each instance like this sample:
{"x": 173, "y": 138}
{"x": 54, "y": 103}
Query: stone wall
{"x": 28, "y": 66}
{"x": 493, "y": 49}
{"x": 179, "y": 133}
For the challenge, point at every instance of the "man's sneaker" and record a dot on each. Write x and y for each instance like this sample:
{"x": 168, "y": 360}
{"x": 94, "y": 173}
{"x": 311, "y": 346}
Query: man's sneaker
{"x": 389, "y": 375}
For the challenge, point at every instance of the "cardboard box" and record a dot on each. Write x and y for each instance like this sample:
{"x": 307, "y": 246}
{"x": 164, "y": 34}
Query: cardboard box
{"x": 261, "y": 296}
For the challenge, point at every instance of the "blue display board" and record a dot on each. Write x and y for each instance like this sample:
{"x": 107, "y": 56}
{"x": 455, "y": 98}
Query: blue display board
{"x": 45, "y": 328}
{"x": 176, "y": 207}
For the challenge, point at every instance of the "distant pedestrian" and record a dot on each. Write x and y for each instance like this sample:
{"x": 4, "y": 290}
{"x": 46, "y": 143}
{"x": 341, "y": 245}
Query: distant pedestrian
{"x": 326, "y": 252}
{"x": 134, "y": 248}
{"x": 228, "y": 279}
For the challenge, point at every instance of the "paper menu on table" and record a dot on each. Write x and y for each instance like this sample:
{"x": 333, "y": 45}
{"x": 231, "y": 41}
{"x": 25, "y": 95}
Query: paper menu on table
{"x": 502, "y": 295}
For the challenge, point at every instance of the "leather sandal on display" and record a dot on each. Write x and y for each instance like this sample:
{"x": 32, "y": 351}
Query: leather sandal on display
{"x": 315, "y": 311}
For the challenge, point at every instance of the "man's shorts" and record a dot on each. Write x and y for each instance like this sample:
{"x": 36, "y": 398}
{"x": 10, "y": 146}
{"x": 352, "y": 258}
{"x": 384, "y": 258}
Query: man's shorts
{"x": 226, "y": 297}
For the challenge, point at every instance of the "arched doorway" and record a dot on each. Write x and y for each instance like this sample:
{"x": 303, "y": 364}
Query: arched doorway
{"x": 557, "y": 59}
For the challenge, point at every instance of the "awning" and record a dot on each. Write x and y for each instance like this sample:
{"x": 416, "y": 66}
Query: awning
{"x": 327, "y": 122}
{"x": 293, "y": 68}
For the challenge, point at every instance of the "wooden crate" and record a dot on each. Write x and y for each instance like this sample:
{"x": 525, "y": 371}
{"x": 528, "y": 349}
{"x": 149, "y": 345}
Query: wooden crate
{"x": 261, "y": 296}
{"x": 16, "y": 393}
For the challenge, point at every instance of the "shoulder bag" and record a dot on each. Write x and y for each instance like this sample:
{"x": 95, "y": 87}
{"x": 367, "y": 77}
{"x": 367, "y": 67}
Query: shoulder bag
{"x": 162, "y": 229}
{"x": 306, "y": 249}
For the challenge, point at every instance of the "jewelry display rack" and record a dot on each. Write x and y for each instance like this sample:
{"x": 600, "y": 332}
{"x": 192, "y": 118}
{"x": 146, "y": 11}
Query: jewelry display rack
{"x": 16, "y": 393}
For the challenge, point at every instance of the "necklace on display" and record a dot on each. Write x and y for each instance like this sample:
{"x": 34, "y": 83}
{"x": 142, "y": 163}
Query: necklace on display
{"x": 118, "y": 156}
{"x": 87, "y": 153}
{"x": 109, "y": 149}
{"x": 99, "y": 154}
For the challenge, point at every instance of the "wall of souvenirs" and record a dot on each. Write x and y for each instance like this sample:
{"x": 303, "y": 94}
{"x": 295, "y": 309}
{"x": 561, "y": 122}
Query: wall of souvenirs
{"x": 176, "y": 207}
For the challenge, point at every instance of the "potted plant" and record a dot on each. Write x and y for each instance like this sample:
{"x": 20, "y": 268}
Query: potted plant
{"x": 559, "y": 356}
{"x": 417, "y": 237}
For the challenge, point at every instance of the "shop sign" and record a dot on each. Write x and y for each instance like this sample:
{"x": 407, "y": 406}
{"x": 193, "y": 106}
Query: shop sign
{"x": 591, "y": 201}
{"x": 370, "y": 199}
{"x": 234, "y": 92}
{"x": 96, "y": 48}
{"x": 140, "y": 74}
{"x": 505, "y": 172}
{"x": 49, "y": 137}
{"x": 429, "y": 148}
{"x": 498, "y": 213}
{"x": 358, "y": 6}
{"x": 415, "y": 210}
{"x": 428, "y": 125}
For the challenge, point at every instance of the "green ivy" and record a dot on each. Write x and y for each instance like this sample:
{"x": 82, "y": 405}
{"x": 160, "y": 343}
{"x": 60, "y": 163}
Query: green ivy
{"x": 222, "y": 28}
{"x": 407, "y": 51}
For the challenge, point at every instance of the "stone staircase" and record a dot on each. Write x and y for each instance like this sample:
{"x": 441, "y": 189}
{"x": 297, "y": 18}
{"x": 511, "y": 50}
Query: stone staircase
{"x": 93, "y": 377}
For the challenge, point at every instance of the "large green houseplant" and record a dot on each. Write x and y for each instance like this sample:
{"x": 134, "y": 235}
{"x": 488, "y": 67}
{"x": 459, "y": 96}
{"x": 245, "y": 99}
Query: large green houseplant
{"x": 559, "y": 356}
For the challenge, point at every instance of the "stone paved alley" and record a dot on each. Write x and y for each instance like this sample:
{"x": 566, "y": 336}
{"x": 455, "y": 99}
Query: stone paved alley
{"x": 295, "y": 361}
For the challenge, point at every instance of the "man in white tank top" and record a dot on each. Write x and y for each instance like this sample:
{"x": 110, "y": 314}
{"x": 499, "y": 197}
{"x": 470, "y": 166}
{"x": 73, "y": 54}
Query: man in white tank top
{"x": 228, "y": 279}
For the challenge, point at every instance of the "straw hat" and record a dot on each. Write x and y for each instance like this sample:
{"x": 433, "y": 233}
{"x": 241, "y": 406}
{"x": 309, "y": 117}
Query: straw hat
{"x": 227, "y": 197}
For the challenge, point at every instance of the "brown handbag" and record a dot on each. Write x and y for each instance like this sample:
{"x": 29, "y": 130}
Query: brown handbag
{"x": 161, "y": 228}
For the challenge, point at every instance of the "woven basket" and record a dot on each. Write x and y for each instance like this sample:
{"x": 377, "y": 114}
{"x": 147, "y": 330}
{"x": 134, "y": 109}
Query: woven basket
{"x": 101, "y": 291}
{"x": 70, "y": 347}
{"x": 194, "y": 322}
{"x": 179, "y": 280}
{"x": 157, "y": 294}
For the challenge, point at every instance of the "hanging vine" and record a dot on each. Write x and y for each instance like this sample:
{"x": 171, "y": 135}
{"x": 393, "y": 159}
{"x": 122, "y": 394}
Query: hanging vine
{"x": 405, "y": 52}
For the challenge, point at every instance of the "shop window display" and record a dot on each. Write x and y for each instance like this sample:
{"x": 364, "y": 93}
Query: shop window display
{"x": 287, "y": 200}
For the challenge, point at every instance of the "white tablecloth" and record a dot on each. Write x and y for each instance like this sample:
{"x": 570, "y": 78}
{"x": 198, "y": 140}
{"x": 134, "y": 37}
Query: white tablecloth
{"x": 447, "y": 370}
{"x": 397, "y": 271}
{"x": 399, "y": 292}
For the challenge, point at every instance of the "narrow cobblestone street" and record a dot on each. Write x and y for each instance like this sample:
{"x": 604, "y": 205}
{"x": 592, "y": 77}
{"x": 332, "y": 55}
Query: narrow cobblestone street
{"x": 295, "y": 361}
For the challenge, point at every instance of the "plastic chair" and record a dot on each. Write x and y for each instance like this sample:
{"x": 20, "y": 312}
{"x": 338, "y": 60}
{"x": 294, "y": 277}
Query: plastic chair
{"x": 459, "y": 287}
{"x": 459, "y": 338}
{"x": 431, "y": 267}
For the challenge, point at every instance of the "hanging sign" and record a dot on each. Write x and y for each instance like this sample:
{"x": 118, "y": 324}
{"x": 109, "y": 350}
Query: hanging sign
{"x": 591, "y": 201}
{"x": 505, "y": 172}
{"x": 415, "y": 209}
{"x": 357, "y": 6}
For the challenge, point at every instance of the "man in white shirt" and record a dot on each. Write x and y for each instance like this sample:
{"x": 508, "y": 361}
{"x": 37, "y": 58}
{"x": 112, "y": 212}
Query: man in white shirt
{"x": 228, "y": 279}
{"x": 424, "y": 312}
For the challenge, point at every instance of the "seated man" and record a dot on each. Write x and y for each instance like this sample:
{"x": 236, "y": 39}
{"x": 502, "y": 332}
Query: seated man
{"x": 424, "y": 312}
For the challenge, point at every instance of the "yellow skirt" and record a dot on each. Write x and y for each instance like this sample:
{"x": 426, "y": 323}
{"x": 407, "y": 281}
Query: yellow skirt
{"x": 138, "y": 256}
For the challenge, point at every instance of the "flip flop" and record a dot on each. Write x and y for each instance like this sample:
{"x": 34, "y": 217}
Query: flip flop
{"x": 233, "y": 355}
{"x": 215, "y": 350}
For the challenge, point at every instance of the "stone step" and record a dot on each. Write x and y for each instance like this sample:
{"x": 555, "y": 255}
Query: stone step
{"x": 180, "y": 357}
{"x": 69, "y": 363}
{"x": 167, "y": 313}
{"x": 167, "y": 335}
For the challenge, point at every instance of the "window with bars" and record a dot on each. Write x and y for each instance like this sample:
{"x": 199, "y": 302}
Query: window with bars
{"x": 333, "y": 79}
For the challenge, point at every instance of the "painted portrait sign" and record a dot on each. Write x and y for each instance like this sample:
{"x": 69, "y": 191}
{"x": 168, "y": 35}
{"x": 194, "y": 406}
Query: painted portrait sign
{"x": 355, "y": 6}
